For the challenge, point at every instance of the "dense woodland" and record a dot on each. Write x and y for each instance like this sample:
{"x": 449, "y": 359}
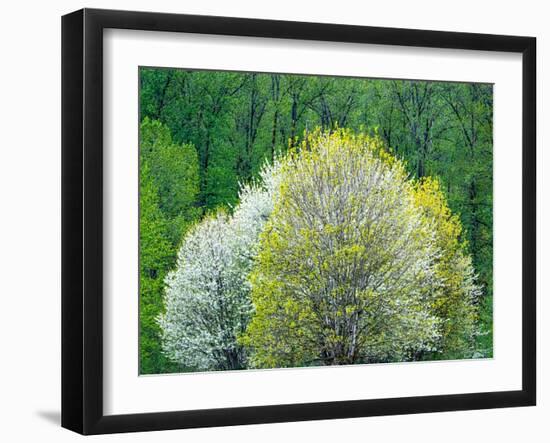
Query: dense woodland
{"x": 203, "y": 135}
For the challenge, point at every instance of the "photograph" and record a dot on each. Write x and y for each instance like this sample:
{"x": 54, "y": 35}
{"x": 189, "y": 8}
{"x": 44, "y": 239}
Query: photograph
{"x": 245, "y": 222}
{"x": 293, "y": 220}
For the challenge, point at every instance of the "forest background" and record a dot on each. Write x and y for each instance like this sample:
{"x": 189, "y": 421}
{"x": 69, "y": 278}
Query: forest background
{"x": 202, "y": 133}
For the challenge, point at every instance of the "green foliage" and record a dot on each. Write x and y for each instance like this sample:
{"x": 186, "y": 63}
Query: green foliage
{"x": 176, "y": 174}
{"x": 169, "y": 185}
{"x": 155, "y": 256}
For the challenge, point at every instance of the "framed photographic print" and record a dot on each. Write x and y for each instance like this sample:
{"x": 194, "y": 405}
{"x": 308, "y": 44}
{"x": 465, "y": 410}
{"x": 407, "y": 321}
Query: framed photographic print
{"x": 269, "y": 221}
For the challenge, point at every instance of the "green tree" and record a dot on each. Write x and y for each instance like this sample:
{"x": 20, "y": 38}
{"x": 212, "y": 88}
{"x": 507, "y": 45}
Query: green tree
{"x": 169, "y": 185}
{"x": 155, "y": 256}
{"x": 175, "y": 171}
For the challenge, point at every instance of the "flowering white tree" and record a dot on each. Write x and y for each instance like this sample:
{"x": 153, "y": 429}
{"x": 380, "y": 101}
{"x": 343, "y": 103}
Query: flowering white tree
{"x": 207, "y": 298}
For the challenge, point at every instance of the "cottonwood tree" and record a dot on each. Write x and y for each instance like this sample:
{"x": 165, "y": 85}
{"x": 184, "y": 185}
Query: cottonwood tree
{"x": 207, "y": 299}
{"x": 347, "y": 270}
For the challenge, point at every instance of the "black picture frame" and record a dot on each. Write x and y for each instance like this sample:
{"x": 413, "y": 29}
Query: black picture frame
{"x": 82, "y": 221}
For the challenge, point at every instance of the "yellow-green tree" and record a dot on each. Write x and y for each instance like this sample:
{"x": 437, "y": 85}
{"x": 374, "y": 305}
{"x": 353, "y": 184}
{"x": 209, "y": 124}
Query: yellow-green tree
{"x": 358, "y": 263}
{"x": 455, "y": 302}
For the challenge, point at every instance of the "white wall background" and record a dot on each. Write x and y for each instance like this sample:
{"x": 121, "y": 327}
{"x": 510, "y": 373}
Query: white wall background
{"x": 30, "y": 219}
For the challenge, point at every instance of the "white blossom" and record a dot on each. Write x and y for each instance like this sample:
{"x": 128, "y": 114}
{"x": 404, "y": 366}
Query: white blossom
{"x": 207, "y": 297}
